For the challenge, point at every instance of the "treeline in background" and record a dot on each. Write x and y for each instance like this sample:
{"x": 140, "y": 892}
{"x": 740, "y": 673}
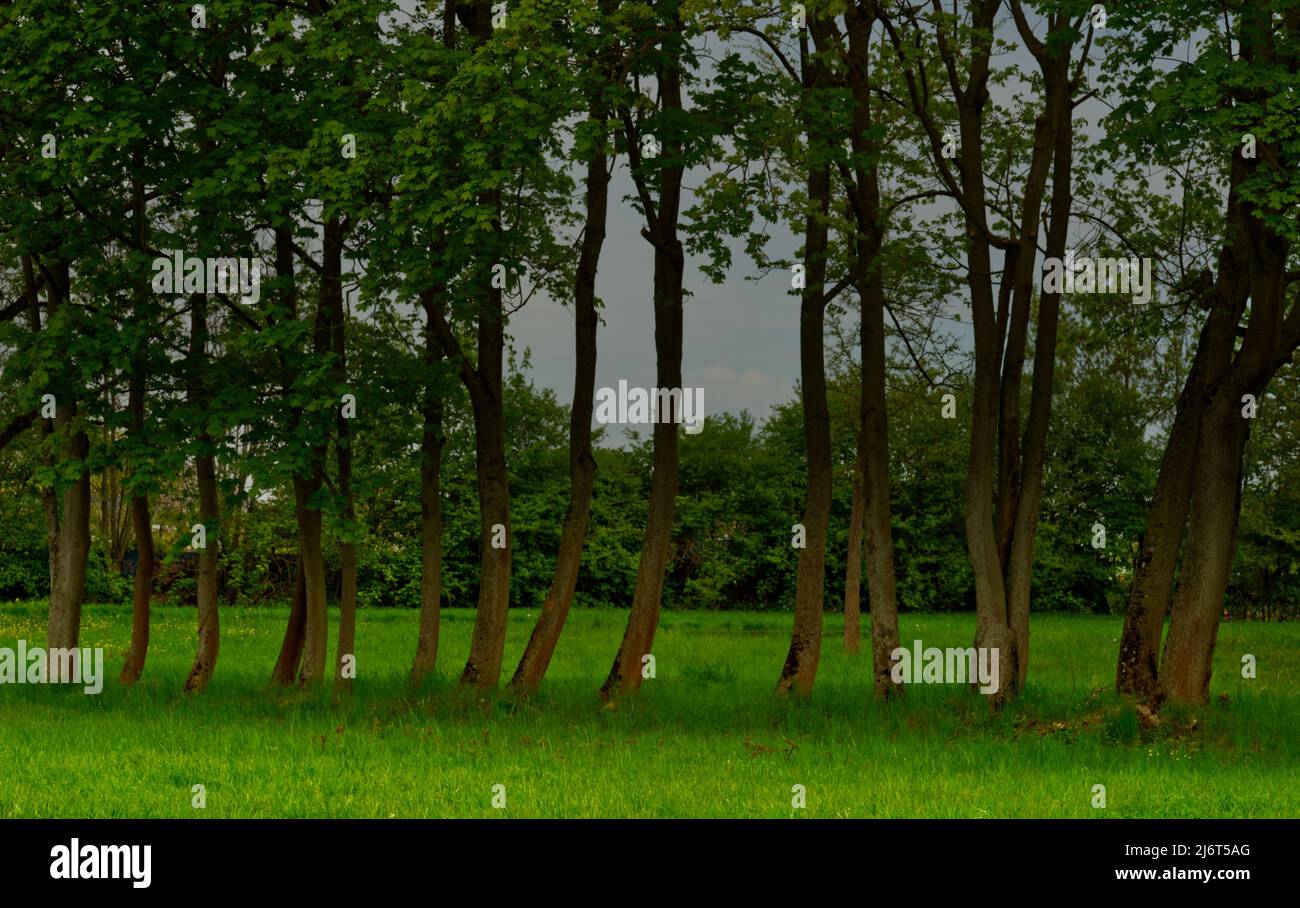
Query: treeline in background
{"x": 741, "y": 482}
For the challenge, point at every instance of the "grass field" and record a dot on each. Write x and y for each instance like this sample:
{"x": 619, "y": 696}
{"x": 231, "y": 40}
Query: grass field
{"x": 707, "y": 737}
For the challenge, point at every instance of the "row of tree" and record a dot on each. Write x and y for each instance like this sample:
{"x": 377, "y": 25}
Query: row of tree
{"x": 740, "y": 486}
{"x": 425, "y": 172}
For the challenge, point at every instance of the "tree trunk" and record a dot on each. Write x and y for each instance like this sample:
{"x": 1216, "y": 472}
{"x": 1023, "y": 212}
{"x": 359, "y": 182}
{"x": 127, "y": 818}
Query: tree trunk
{"x": 289, "y": 662}
{"x": 333, "y": 268}
{"x": 800, "y": 669}
{"x": 68, "y": 519}
{"x": 343, "y": 674}
{"x": 1216, "y": 503}
{"x": 315, "y": 615}
{"x": 141, "y": 519}
{"x": 853, "y": 565}
{"x": 49, "y": 501}
{"x": 431, "y": 444}
{"x": 286, "y": 666}
{"x": 73, "y": 549}
{"x": 486, "y": 387}
{"x": 205, "y": 470}
{"x": 142, "y": 524}
{"x": 1211, "y": 537}
{"x": 1149, "y": 595}
{"x": 991, "y": 630}
{"x": 582, "y": 462}
{"x": 1020, "y": 558}
{"x": 306, "y": 487}
{"x": 626, "y": 673}
{"x": 487, "y": 646}
{"x": 873, "y": 416}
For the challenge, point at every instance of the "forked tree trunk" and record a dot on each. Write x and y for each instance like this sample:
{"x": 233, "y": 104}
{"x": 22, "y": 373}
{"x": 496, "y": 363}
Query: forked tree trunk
{"x": 1137, "y": 671}
{"x": 1020, "y": 558}
{"x": 1211, "y": 538}
{"x": 1269, "y": 341}
{"x": 1149, "y": 595}
{"x": 981, "y": 539}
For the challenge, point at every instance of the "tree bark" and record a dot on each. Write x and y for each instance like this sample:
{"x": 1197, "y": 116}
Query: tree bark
{"x": 205, "y": 471}
{"x": 1216, "y": 503}
{"x": 431, "y": 444}
{"x": 142, "y": 526}
{"x": 485, "y": 384}
{"x": 333, "y": 268}
{"x": 1029, "y": 473}
{"x": 289, "y": 662}
{"x": 286, "y": 665}
{"x": 487, "y": 646}
{"x": 68, "y": 515}
{"x": 625, "y": 675}
{"x": 1150, "y": 594}
{"x": 315, "y": 615}
{"x": 800, "y": 669}
{"x": 312, "y": 481}
{"x": 853, "y": 564}
{"x": 582, "y": 462}
{"x": 141, "y": 519}
{"x": 873, "y": 416}
{"x": 1211, "y": 538}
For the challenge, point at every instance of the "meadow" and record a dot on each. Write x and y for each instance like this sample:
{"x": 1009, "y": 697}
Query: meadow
{"x": 706, "y": 738}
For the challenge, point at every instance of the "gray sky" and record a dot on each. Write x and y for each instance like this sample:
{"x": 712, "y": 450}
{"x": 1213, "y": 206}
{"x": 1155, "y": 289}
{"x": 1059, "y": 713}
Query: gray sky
{"x": 740, "y": 338}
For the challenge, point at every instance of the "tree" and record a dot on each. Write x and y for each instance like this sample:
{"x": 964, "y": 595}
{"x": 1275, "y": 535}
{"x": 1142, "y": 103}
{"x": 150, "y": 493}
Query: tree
{"x": 658, "y": 142}
{"x": 592, "y": 145}
{"x": 1002, "y": 565}
{"x": 1221, "y": 100}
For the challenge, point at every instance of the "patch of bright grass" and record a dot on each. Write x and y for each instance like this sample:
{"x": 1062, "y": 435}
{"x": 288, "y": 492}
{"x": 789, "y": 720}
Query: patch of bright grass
{"x": 706, "y": 738}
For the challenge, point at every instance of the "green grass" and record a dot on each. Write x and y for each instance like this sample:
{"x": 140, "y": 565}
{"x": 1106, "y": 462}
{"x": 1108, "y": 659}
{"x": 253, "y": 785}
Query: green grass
{"x": 706, "y": 738}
